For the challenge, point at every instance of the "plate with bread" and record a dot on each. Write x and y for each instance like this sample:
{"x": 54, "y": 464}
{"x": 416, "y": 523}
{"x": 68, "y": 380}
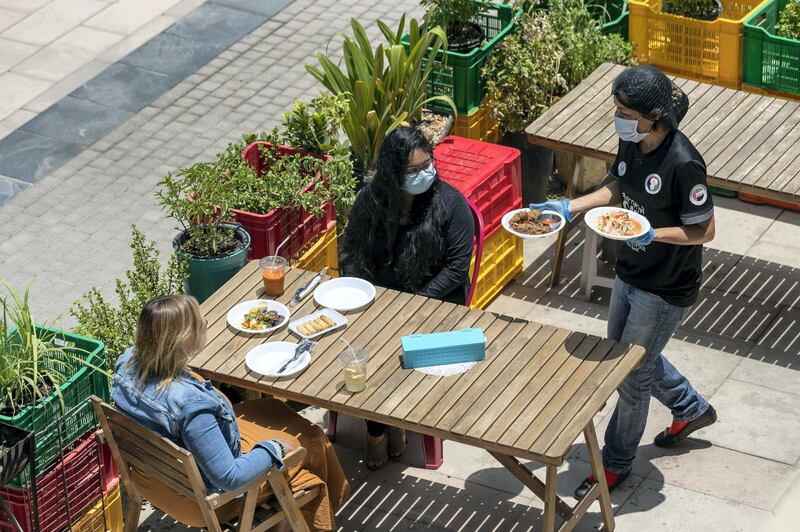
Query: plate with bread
{"x": 317, "y": 324}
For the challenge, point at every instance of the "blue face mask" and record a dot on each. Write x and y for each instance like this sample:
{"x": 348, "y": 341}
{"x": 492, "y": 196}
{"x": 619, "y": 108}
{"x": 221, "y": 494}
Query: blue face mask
{"x": 420, "y": 182}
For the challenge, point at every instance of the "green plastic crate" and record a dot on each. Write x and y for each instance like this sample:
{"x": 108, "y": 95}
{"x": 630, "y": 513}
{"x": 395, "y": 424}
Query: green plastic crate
{"x": 770, "y": 62}
{"x": 58, "y": 425}
{"x": 459, "y": 75}
{"x": 723, "y": 192}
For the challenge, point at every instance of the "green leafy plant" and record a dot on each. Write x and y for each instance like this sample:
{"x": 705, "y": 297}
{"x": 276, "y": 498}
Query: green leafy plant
{"x": 554, "y": 50}
{"x": 33, "y": 362}
{"x": 522, "y": 76}
{"x": 384, "y": 86}
{"x": 789, "y": 21}
{"x": 115, "y": 324}
{"x": 456, "y": 17}
{"x": 700, "y": 9}
{"x": 198, "y": 198}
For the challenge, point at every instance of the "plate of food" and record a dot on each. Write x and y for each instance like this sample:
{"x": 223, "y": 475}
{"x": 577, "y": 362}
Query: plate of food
{"x": 344, "y": 294}
{"x": 276, "y": 359}
{"x": 617, "y": 223}
{"x": 318, "y": 323}
{"x": 258, "y": 316}
{"x": 531, "y": 223}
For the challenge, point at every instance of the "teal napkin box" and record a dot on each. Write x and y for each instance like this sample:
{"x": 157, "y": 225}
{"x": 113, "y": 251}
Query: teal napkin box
{"x": 435, "y": 349}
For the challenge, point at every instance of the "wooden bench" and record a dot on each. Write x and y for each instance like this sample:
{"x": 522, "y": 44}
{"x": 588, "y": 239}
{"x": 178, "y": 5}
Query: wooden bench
{"x": 534, "y": 395}
{"x": 750, "y": 142}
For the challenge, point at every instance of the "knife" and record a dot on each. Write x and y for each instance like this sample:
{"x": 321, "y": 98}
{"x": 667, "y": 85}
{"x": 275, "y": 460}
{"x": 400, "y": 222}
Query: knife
{"x": 304, "y": 290}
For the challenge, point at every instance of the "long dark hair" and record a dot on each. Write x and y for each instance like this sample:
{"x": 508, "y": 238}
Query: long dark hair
{"x": 372, "y": 231}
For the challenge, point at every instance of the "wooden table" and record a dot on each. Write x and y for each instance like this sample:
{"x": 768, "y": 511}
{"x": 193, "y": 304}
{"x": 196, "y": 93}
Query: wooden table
{"x": 532, "y": 397}
{"x": 750, "y": 142}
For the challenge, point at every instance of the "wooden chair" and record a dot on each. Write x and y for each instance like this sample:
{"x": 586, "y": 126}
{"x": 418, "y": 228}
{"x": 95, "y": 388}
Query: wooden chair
{"x": 133, "y": 445}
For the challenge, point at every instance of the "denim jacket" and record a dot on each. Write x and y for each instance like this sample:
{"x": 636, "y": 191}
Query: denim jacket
{"x": 198, "y": 418}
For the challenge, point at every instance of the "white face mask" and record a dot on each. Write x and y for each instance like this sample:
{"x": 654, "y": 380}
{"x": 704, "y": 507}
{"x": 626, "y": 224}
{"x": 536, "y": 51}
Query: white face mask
{"x": 420, "y": 182}
{"x": 626, "y": 129}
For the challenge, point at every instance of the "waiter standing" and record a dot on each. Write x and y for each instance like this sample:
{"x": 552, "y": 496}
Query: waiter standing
{"x": 659, "y": 174}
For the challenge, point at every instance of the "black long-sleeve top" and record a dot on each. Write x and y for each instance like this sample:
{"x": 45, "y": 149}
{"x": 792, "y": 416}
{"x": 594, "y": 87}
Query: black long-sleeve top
{"x": 449, "y": 278}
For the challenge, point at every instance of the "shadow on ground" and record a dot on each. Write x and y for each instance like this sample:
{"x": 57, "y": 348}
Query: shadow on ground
{"x": 747, "y": 307}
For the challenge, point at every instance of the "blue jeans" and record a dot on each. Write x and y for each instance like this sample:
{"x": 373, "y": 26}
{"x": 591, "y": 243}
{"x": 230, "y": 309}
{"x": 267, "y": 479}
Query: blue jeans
{"x": 639, "y": 317}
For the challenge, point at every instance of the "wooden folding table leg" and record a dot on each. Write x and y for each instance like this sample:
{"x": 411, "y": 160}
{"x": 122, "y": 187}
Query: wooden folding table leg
{"x": 596, "y": 461}
{"x": 563, "y": 235}
{"x": 549, "y": 524}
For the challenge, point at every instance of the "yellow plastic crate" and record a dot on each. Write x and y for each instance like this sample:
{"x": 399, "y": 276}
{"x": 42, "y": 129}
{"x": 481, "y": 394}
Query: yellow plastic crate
{"x": 502, "y": 262}
{"x": 323, "y": 252}
{"x": 706, "y": 50}
{"x": 480, "y": 125}
{"x": 93, "y": 521}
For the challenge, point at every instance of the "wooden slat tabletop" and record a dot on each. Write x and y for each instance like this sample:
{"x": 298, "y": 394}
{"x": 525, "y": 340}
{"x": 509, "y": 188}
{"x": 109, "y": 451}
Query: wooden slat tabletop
{"x": 533, "y": 395}
{"x": 749, "y": 142}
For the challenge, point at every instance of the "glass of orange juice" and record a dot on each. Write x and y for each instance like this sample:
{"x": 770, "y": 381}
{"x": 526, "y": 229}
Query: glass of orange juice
{"x": 273, "y": 272}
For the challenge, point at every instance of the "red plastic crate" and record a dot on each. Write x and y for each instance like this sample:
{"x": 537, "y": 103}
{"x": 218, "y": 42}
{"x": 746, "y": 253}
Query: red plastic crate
{"x": 269, "y": 230}
{"x": 488, "y": 174}
{"x": 66, "y": 490}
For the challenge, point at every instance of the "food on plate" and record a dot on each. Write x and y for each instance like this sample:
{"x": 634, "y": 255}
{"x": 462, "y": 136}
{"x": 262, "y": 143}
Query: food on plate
{"x": 617, "y": 223}
{"x": 316, "y": 326}
{"x": 259, "y": 318}
{"x": 528, "y": 222}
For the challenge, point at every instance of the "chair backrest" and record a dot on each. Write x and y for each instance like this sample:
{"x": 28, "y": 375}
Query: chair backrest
{"x": 133, "y": 445}
{"x": 477, "y": 218}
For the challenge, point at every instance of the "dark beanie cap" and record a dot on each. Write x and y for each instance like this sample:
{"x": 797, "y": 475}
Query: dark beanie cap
{"x": 644, "y": 88}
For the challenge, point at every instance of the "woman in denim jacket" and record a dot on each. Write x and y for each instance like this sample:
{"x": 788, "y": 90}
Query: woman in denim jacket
{"x": 233, "y": 446}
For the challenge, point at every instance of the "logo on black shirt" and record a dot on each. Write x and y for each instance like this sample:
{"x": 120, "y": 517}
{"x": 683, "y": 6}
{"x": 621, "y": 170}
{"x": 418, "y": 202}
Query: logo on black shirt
{"x": 698, "y": 195}
{"x": 652, "y": 184}
{"x": 621, "y": 167}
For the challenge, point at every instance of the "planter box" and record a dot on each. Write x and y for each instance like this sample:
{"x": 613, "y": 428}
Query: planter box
{"x": 458, "y": 75}
{"x": 64, "y": 492}
{"x": 57, "y": 425}
{"x": 705, "y": 50}
{"x": 487, "y": 174}
{"x": 323, "y": 252}
{"x": 502, "y": 262}
{"x": 770, "y": 61}
{"x": 18, "y": 454}
{"x": 269, "y": 230}
{"x": 106, "y": 514}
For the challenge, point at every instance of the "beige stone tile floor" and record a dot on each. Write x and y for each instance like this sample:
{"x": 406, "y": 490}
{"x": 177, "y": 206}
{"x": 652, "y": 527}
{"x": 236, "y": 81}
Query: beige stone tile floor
{"x": 49, "y": 48}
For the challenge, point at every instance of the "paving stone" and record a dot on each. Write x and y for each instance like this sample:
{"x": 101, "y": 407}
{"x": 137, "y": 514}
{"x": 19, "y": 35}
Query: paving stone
{"x": 29, "y": 157}
{"x": 89, "y": 39}
{"x": 125, "y": 16}
{"x": 14, "y": 120}
{"x": 125, "y": 86}
{"x": 64, "y": 87}
{"x": 19, "y": 90}
{"x": 14, "y": 52}
{"x": 54, "y": 20}
{"x": 216, "y": 24}
{"x": 10, "y": 187}
{"x": 78, "y": 121}
{"x": 768, "y": 375}
{"x": 137, "y": 38}
{"x": 53, "y": 63}
{"x": 688, "y": 511}
{"x": 266, "y": 8}
{"x": 172, "y": 55}
{"x": 27, "y": 6}
{"x": 751, "y": 417}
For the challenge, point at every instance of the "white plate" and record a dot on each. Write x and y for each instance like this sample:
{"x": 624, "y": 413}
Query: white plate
{"x": 337, "y": 318}
{"x": 266, "y": 359}
{"x": 592, "y": 215}
{"x": 236, "y": 315}
{"x": 344, "y": 293}
{"x": 507, "y": 218}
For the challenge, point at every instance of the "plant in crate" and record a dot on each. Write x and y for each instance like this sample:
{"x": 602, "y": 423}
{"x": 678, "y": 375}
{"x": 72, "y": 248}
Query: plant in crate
{"x": 789, "y": 21}
{"x": 214, "y": 249}
{"x": 115, "y": 324}
{"x": 383, "y": 87}
{"x": 457, "y": 19}
{"x": 699, "y": 9}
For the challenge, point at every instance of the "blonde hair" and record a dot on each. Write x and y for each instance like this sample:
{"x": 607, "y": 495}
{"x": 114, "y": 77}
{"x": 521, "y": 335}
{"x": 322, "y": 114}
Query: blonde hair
{"x": 171, "y": 330}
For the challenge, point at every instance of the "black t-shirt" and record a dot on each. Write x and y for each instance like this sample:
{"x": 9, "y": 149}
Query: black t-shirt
{"x": 668, "y": 187}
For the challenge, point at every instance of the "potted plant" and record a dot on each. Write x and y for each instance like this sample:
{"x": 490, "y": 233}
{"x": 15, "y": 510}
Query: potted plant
{"x": 213, "y": 249}
{"x": 551, "y": 53}
{"x": 789, "y": 22}
{"x": 699, "y": 9}
{"x": 115, "y": 322}
{"x": 457, "y": 17}
{"x": 383, "y": 87}
{"x": 46, "y": 377}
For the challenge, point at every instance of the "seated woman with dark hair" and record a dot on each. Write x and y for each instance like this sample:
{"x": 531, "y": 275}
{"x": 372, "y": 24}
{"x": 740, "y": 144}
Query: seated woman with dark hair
{"x": 409, "y": 231}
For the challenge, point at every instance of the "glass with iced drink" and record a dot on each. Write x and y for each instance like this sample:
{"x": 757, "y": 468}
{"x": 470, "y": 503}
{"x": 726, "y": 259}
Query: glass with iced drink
{"x": 355, "y": 368}
{"x": 273, "y": 272}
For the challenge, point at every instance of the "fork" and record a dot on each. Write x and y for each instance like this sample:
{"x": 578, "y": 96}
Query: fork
{"x": 302, "y": 347}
